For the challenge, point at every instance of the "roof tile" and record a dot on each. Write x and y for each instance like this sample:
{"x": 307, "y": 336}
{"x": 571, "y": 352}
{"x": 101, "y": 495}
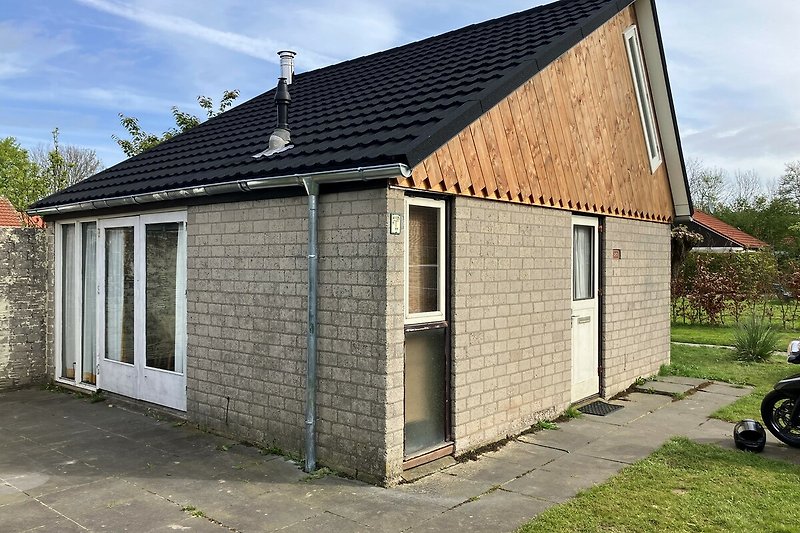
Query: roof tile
{"x": 395, "y": 106}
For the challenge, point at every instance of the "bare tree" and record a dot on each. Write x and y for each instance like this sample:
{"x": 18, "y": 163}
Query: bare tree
{"x": 746, "y": 187}
{"x": 707, "y": 184}
{"x": 64, "y": 165}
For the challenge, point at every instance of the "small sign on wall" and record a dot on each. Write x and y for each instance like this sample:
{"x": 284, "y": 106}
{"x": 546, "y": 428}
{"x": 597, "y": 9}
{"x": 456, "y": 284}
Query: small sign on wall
{"x": 395, "y": 223}
{"x": 616, "y": 254}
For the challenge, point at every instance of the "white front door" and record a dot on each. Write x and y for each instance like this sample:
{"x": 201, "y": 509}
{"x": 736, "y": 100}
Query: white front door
{"x": 585, "y": 309}
{"x": 142, "y": 307}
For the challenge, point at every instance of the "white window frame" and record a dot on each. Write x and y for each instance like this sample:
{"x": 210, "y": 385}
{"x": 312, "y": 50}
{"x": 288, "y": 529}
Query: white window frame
{"x": 77, "y": 304}
{"x": 646, "y": 114}
{"x": 439, "y": 314}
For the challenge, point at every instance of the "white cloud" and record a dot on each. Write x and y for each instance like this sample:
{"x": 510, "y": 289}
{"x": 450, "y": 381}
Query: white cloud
{"x": 262, "y": 48}
{"x": 734, "y": 73}
{"x": 26, "y": 48}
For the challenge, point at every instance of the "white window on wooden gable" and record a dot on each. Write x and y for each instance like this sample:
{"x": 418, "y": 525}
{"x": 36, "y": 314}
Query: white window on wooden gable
{"x": 643, "y": 96}
{"x": 424, "y": 261}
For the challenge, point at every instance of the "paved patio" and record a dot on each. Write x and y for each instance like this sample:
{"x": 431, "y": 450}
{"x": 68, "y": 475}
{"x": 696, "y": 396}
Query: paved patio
{"x": 67, "y": 464}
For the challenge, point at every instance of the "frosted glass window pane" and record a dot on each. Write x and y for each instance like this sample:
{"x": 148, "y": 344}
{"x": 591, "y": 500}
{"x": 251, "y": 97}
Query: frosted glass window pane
{"x": 425, "y": 392}
{"x": 69, "y": 320}
{"x": 89, "y": 311}
{"x": 423, "y": 259}
{"x": 161, "y": 260}
{"x": 119, "y": 294}
{"x": 582, "y": 262}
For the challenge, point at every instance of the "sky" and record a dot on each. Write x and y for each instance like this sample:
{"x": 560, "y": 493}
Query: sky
{"x": 77, "y": 64}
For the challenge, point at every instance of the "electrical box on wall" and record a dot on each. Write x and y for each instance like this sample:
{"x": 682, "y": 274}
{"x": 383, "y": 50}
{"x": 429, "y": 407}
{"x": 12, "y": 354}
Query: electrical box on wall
{"x": 395, "y": 223}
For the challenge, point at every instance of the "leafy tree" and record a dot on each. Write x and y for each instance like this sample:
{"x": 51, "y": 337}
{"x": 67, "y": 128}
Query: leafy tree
{"x": 62, "y": 166}
{"x": 141, "y": 140}
{"x": 20, "y": 179}
{"x": 789, "y": 183}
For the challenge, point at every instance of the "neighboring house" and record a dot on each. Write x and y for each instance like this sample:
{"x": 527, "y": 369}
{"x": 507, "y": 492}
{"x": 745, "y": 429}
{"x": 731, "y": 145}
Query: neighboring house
{"x": 721, "y": 237}
{"x": 462, "y": 236}
{"x": 11, "y": 218}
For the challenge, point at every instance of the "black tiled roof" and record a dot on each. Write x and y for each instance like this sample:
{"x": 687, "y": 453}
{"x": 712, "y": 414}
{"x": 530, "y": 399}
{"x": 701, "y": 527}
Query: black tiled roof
{"x": 396, "y": 106}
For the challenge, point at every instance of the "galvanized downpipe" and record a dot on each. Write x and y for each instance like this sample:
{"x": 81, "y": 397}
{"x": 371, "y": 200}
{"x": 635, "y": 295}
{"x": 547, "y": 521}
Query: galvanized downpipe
{"x": 312, "y": 189}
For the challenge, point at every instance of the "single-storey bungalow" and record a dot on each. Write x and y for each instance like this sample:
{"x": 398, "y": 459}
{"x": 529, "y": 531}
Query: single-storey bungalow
{"x": 719, "y": 236}
{"x": 436, "y": 247}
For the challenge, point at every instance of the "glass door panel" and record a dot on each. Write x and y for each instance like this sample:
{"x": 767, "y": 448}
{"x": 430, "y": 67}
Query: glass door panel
{"x": 425, "y": 390}
{"x": 89, "y": 311}
{"x": 161, "y": 261}
{"x": 68, "y": 295}
{"x": 119, "y": 294}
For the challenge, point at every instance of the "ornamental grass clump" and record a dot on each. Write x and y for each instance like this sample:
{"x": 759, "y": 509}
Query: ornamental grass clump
{"x": 755, "y": 340}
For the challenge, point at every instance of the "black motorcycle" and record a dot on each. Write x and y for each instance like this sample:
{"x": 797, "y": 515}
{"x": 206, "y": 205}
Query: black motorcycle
{"x": 780, "y": 408}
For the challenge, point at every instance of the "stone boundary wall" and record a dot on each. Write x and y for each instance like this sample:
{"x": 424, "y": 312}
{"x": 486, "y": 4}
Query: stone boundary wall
{"x": 23, "y": 307}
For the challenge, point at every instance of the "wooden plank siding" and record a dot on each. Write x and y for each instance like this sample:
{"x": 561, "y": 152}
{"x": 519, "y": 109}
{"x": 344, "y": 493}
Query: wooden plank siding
{"x": 570, "y": 138}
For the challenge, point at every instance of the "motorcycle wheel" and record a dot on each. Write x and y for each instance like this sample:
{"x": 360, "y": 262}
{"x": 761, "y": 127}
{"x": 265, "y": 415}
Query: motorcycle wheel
{"x": 776, "y": 410}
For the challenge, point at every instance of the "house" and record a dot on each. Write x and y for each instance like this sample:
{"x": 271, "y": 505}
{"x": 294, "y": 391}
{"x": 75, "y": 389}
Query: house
{"x": 721, "y": 237}
{"x": 436, "y": 247}
{"x": 11, "y": 218}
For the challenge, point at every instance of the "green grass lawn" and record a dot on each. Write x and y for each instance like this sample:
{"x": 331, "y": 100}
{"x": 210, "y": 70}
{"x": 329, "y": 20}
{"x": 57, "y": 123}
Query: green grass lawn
{"x": 685, "y": 487}
{"x": 720, "y": 364}
{"x": 720, "y": 335}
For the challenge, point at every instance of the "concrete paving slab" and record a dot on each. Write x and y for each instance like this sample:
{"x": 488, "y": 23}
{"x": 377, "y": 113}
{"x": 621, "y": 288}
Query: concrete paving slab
{"x": 727, "y": 390}
{"x": 489, "y": 470}
{"x": 627, "y": 445}
{"x": 498, "y": 511}
{"x": 635, "y": 406}
{"x": 26, "y": 515}
{"x": 561, "y": 482}
{"x": 268, "y": 511}
{"x": 663, "y": 387}
{"x": 681, "y": 380}
{"x": 326, "y": 521}
{"x": 445, "y": 490}
{"x": 571, "y": 435}
{"x": 138, "y": 472}
{"x": 387, "y": 510}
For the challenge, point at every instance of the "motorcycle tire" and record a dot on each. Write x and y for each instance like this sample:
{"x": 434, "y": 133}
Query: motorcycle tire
{"x": 776, "y": 409}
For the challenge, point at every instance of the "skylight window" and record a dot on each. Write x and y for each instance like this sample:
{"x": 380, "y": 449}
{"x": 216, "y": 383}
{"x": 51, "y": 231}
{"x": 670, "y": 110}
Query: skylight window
{"x": 643, "y": 96}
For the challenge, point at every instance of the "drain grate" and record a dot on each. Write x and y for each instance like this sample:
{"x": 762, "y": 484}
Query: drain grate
{"x": 599, "y": 408}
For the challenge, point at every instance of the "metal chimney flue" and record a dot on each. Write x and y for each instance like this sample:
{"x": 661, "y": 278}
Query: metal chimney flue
{"x": 287, "y": 65}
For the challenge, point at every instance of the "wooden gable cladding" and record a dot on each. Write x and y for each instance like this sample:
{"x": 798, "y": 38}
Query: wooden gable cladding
{"x": 570, "y": 138}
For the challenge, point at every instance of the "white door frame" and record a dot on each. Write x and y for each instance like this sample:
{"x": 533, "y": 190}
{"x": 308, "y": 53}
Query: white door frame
{"x": 585, "y": 320}
{"x": 163, "y": 387}
{"x": 76, "y": 305}
{"x": 116, "y": 376}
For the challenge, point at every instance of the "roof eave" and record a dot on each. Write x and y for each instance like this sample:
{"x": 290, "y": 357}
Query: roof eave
{"x": 653, "y": 47}
{"x": 355, "y": 174}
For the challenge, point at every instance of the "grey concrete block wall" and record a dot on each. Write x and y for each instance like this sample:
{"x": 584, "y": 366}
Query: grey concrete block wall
{"x": 247, "y": 322}
{"x": 636, "y": 321}
{"x": 511, "y": 318}
{"x": 23, "y": 307}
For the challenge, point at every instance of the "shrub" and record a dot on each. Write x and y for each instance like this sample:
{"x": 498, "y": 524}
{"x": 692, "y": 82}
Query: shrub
{"x": 755, "y": 340}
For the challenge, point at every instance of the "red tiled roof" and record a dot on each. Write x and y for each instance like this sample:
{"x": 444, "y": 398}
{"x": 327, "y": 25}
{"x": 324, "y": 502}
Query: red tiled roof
{"x": 11, "y": 218}
{"x": 714, "y": 224}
